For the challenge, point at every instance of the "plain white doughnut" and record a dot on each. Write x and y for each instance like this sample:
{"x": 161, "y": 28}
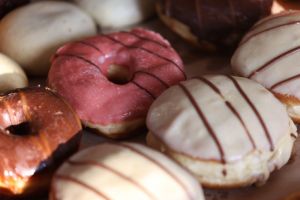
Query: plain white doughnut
{"x": 12, "y": 75}
{"x": 114, "y": 14}
{"x": 31, "y": 34}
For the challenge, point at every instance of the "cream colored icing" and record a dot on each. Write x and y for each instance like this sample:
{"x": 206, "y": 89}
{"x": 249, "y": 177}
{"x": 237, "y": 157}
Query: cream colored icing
{"x": 174, "y": 120}
{"x": 269, "y": 39}
{"x": 158, "y": 176}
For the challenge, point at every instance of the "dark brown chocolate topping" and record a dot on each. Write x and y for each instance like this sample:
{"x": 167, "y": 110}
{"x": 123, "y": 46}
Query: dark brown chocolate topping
{"x": 51, "y": 125}
{"x": 221, "y": 22}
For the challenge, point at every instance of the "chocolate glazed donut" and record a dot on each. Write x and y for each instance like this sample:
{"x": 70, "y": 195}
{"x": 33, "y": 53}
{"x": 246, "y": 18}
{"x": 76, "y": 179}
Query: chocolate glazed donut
{"x": 38, "y": 130}
{"x": 214, "y": 24}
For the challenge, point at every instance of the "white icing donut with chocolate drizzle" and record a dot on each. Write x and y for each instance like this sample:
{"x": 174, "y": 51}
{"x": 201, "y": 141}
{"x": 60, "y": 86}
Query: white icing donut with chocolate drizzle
{"x": 228, "y": 131}
{"x": 123, "y": 171}
{"x": 270, "y": 54}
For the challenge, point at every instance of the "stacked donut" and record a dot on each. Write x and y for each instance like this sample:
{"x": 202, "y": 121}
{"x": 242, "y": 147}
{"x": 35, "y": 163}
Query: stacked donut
{"x": 222, "y": 131}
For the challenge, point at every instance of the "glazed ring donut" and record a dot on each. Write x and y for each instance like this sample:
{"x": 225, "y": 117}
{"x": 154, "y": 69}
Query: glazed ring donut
{"x": 123, "y": 171}
{"x": 228, "y": 131}
{"x": 269, "y": 54}
{"x": 196, "y": 20}
{"x": 111, "y": 80}
{"x": 38, "y": 130}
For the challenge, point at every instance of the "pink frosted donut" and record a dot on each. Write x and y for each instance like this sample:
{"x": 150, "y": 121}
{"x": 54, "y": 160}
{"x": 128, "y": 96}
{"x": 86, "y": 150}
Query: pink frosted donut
{"x": 111, "y": 80}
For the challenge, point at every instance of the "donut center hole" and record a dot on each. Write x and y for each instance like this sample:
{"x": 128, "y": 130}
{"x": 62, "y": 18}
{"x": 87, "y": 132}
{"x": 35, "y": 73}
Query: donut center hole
{"x": 118, "y": 74}
{"x": 21, "y": 129}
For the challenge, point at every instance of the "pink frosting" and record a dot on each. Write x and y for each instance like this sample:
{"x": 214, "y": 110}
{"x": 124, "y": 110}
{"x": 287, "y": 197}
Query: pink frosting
{"x": 79, "y": 74}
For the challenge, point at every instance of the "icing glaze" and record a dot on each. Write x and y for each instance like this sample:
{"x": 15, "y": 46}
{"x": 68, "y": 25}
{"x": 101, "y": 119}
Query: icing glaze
{"x": 221, "y": 119}
{"x": 269, "y": 54}
{"x": 80, "y": 72}
{"x": 123, "y": 171}
{"x": 38, "y": 131}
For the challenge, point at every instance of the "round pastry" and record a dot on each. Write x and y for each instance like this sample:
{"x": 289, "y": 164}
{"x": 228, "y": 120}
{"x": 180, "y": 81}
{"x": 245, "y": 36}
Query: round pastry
{"x": 11, "y": 75}
{"x": 196, "y": 21}
{"x": 8, "y": 5}
{"x": 228, "y": 131}
{"x": 38, "y": 130}
{"x": 111, "y": 80}
{"x": 128, "y": 11}
{"x": 31, "y": 34}
{"x": 123, "y": 171}
{"x": 269, "y": 54}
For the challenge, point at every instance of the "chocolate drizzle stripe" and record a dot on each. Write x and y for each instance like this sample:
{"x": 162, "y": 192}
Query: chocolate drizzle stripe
{"x": 268, "y": 29}
{"x": 158, "y": 164}
{"x": 82, "y": 184}
{"x": 232, "y": 12}
{"x": 168, "y": 5}
{"x": 205, "y": 121}
{"x": 145, "y": 38}
{"x": 198, "y": 13}
{"x": 244, "y": 95}
{"x": 148, "y": 51}
{"x": 90, "y": 45}
{"x": 284, "y": 81}
{"x": 142, "y": 88}
{"x": 231, "y": 107}
{"x": 154, "y": 76}
{"x": 80, "y": 58}
{"x": 272, "y": 18}
{"x": 274, "y": 60}
{"x": 113, "y": 171}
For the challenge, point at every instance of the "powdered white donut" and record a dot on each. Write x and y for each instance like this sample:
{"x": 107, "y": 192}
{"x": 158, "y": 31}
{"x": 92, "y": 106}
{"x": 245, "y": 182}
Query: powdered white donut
{"x": 123, "y": 171}
{"x": 228, "y": 131}
{"x": 31, "y": 34}
{"x": 113, "y": 14}
{"x": 270, "y": 55}
{"x": 12, "y": 75}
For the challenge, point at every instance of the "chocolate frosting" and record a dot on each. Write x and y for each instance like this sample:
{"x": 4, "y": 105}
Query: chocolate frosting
{"x": 38, "y": 130}
{"x": 221, "y": 22}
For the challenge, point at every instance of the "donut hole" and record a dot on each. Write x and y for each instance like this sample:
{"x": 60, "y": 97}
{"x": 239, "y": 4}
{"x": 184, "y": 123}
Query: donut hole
{"x": 21, "y": 129}
{"x": 118, "y": 74}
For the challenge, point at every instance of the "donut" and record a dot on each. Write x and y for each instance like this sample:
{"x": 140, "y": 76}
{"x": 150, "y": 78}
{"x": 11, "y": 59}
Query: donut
{"x": 8, "y": 5}
{"x": 32, "y": 33}
{"x": 12, "y": 75}
{"x": 212, "y": 25}
{"x": 111, "y": 80}
{"x": 38, "y": 130}
{"x": 123, "y": 171}
{"x": 269, "y": 54}
{"x": 228, "y": 131}
{"x": 129, "y": 12}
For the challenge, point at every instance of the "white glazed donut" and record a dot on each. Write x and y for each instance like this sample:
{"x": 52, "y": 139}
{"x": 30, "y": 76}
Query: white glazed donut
{"x": 12, "y": 75}
{"x": 114, "y": 14}
{"x": 270, "y": 55}
{"x": 123, "y": 171}
{"x": 228, "y": 131}
{"x": 31, "y": 34}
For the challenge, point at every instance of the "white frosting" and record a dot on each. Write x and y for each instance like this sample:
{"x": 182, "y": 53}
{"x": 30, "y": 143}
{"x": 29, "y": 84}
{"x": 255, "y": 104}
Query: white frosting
{"x": 174, "y": 121}
{"x": 126, "y": 171}
{"x": 11, "y": 74}
{"x": 32, "y": 33}
{"x": 269, "y": 39}
{"x": 112, "y": 14}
